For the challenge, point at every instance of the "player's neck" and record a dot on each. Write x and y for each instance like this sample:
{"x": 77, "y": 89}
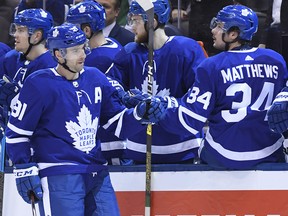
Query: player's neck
{"x": 36, "y": 51}
{"x": 160, "y": 38}
{"x": 97, "y": 40}
{"x": 66, "y": 73}
{"x": 234, "y": 45}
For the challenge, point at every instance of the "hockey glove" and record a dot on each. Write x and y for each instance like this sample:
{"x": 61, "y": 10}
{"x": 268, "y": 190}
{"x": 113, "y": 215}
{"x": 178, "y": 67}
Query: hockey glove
{"x": 8, "y": 90}
{"x": 28, "y": 182}
{"x": 131, "y": 98}
{"x": 278, "y": 112}
{"x": 150, "y": 110}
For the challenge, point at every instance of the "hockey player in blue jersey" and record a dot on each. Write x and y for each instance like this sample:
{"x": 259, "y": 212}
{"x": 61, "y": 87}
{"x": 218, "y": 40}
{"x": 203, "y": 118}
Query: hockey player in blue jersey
{"x": 233, "y": 91}
{"x": 175, "y": 62}
{"x": 30, "y": 29}
{"x": 90, "y": 16}
{"x": 58, "y": 114}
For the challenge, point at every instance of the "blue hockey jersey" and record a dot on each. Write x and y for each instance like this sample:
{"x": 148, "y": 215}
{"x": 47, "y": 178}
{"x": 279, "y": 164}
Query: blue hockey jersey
{"x": 3, "y": 50}
{"x": 233, "y": 91}
{"x": 102, "y": 57}
{"x": 60, "y": 118}
{"x": 175, "y": 64}
{"x": 18, "y": 68}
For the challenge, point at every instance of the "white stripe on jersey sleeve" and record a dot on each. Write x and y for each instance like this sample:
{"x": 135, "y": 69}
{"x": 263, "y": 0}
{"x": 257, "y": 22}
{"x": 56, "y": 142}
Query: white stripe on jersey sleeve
{"x": 17, "y": 140}
{"x": 245, "y": 155}
{"x": 19, "y": 131}
{"x": 183, "y": 110}
{"x": 118, "y": 117}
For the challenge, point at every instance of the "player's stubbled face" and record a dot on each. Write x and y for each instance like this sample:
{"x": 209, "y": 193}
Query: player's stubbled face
{"x": 21, "y": 37}
{"x": 75, "y": 57}
{"x": 217, "y": 32}
{"x": 138, "y": 27}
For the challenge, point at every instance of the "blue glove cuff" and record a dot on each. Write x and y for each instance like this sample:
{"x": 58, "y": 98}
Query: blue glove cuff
{"x": 171, "y": 102}
{"x": 135, "y": 114}
{"x": 281, "y": 97}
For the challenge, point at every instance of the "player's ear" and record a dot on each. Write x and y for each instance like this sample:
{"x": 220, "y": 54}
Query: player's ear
{"x": 58, "y": 55}
{"x": 87, "y": 30}
{"x": 36, "y": 37}
{"x": 155, "y": 23}
{"x": 233, "y": 34}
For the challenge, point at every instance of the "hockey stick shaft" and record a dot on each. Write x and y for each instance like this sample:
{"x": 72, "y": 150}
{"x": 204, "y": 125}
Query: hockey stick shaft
{"x": 150, "y": 14}
{"x": 179, "y": 15}
{"x": 147, "y": 5}
{"x": 148, "y": 171}
{"x": 44, "y": 4}
{"x": 32, "y": 198}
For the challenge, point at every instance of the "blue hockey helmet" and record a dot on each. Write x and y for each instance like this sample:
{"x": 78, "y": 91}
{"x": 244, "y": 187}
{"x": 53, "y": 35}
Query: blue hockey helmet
{"x": 65, "y": 36}
{"x": 34, "y": 19}
{"x": 89, "y": 12}
{"x": 238, "y": 16}
{"x": 161, "y": 9}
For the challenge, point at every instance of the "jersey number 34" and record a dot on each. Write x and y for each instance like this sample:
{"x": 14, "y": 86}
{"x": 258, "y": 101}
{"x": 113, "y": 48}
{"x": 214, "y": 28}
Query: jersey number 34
{"x": 241, "y": 106}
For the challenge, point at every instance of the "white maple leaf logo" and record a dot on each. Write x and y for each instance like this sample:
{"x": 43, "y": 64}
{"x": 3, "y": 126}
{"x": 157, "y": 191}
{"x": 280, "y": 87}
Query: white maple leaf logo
{"x": 84, "y": 132}
{"x": 155, "y": 86}
{"x": 55, "y": 33}
{"x": 43, "y": 13}
{"x": 245, "y": 12}
{"x": 162, "y": 93}
{"x": 82, "y": 9}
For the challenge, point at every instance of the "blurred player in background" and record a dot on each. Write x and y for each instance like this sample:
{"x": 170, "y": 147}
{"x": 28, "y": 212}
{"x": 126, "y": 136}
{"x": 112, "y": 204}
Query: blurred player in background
{"x": 175, "y": 61}
{"x": 233, "y": 91}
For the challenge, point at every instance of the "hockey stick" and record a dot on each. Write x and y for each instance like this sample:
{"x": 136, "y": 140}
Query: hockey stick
{"x": 44, "y": 4}
{"x": 32, "y": 198}
{"x": 179, "y": 15}
{"x": 148, "y": 7}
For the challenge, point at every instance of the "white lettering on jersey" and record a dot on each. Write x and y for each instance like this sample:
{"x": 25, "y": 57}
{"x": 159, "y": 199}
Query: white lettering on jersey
{"x": 203, "y": 98}
{"x": 98, "y": 95}
{"x": 239, "y": 109}
{"x": 249, "y": 71}
{"x": 19, "y": 110}
{"x": 84, "y": 131}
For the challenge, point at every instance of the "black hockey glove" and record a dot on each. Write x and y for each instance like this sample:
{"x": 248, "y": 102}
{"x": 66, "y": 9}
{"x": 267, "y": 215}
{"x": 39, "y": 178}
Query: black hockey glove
{"x": 278, "y": 112}
{"x": 151, "y": 110}
{"x": 8, "y": 90}
{"x": 28, "y": 182}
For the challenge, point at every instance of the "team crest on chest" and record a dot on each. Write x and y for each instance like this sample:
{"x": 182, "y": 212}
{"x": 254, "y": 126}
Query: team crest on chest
{"x": 84, "y": 131}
